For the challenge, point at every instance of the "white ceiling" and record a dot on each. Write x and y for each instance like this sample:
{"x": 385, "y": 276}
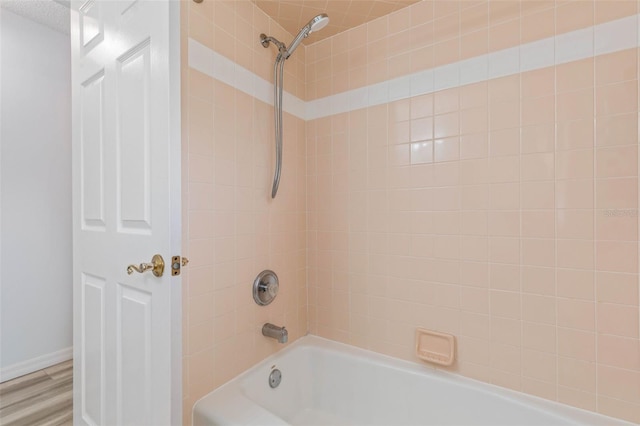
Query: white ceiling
{"x": 52, "y": 13}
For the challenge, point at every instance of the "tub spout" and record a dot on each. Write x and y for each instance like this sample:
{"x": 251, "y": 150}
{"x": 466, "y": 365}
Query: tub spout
{"x": 279, "y": 333}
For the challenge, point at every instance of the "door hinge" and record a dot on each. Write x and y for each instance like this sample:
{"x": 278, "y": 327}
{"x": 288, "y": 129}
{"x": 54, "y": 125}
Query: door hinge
{"x": 177, "y": 263}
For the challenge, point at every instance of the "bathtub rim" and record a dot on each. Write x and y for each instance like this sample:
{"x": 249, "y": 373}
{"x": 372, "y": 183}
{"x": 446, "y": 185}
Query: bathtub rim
{"x": 571, "y": 414}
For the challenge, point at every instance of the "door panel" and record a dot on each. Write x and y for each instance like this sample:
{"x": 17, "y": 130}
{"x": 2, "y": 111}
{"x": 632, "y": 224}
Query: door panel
{"x": 134, "y": 356}
{"x": 91, "y": 25}
{"x": 92, "y": 119}
{"x": 93, "y": 349}
{"x": 133, "y": 139}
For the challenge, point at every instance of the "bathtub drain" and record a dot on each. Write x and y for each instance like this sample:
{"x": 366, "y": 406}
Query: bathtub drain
{"x": 274, "y": 378}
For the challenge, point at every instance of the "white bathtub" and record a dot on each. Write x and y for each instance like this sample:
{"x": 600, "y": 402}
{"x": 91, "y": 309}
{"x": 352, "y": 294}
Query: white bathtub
{"x": 328, "y": 383}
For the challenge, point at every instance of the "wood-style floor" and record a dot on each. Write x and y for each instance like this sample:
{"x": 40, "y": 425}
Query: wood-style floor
{"x": 41, "y": 398}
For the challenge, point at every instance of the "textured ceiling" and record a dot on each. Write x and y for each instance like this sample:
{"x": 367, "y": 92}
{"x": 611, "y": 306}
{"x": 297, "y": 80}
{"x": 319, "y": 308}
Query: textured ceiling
{"x": 53, "y": 14}
{"x": 291, "y": 14}
{"x": 343, "y": 14}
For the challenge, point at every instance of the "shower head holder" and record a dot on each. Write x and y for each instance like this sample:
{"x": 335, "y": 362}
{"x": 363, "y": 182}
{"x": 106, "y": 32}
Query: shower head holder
{"x": 266, "y": 40}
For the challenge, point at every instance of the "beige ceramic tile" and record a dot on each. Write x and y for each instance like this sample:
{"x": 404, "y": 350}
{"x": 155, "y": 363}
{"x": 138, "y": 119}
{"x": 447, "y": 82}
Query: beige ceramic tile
{"x": 504, "y": 211}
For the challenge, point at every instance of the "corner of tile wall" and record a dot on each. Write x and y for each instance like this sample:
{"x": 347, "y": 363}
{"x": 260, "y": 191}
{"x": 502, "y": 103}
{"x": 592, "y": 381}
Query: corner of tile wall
{"x": 232, "y": 229}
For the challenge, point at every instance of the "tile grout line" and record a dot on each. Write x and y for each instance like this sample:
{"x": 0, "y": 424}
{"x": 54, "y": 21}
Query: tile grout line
{"x": 555, "y": 219}
{"x": 491, "y": 185}
{"x": 594, "y": 230}
{"x": 638, "y": 159}
{"x": 520, "y": 217}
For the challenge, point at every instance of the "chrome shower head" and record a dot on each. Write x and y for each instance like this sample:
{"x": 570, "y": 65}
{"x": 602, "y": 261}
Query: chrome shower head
{"x": 315, "y": 24}
{"x": 318, "y": 22}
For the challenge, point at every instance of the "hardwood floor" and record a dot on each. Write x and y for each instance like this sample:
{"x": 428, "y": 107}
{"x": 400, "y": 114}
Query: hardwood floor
{"x": 41, "y": 398}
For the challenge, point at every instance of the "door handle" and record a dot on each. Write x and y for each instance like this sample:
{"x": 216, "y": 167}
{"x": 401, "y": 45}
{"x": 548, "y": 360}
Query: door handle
{"x": 156, "y": 265}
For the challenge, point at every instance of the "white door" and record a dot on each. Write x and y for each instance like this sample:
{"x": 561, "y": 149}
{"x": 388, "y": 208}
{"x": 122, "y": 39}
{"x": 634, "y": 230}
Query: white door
{"x": 126, "y": 209}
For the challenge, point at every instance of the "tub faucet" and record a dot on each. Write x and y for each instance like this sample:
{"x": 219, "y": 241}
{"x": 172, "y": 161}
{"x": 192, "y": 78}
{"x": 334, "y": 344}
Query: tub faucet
{"x": 279, "y": 333}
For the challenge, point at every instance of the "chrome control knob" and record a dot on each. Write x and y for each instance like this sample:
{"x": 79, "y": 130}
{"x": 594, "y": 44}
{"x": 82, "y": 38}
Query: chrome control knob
{"x": 265, "y": 287}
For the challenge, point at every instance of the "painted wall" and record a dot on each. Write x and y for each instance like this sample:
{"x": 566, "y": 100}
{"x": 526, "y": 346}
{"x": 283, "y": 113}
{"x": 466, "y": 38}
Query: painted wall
{"x": 495, "y": 199}
{"x": 36, "y": 299}
{"x": 233, "y": 229}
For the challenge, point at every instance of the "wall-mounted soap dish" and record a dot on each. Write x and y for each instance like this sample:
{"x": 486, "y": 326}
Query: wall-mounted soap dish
{"x": 438, "y": 348}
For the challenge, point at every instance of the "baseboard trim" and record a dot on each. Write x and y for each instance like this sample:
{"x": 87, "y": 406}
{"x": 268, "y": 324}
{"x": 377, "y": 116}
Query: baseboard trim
{"x": 35, "y": 364}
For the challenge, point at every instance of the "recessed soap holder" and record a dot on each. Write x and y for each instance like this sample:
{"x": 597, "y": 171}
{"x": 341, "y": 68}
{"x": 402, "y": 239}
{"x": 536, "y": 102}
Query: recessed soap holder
{"x": 435, "y": 347}
{"x": 265, "y": 287}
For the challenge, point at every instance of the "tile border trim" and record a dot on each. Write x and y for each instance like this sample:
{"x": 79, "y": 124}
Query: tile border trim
{"x": 609, "y": 37}
{"x": 221, "y": 68}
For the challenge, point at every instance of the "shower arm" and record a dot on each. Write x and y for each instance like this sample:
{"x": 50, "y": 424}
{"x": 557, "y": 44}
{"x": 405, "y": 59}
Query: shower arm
{"x": 265, "y": 40}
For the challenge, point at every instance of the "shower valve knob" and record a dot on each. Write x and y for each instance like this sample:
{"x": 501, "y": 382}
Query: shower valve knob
{"x": 265, "y": 287}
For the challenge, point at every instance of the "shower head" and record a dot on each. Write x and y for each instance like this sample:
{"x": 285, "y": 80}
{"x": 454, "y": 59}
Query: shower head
{"x": 318, "y": 22}
{"x": 315, "y": 24}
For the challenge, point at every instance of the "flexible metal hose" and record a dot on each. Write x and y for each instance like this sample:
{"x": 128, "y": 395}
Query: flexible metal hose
{"x": 278, "y": 70}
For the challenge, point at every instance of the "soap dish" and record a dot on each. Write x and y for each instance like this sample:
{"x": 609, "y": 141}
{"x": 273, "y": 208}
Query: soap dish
{"x": 435, "y": 347}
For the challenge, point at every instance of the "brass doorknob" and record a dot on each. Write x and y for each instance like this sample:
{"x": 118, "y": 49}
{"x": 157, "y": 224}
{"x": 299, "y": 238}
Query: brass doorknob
{"x": 156, "y": 265}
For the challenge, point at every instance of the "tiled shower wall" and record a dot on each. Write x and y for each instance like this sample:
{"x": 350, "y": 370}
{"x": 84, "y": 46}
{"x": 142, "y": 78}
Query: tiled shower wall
{"x": 232, "y": 229}
{"x": 504, "y": 212}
